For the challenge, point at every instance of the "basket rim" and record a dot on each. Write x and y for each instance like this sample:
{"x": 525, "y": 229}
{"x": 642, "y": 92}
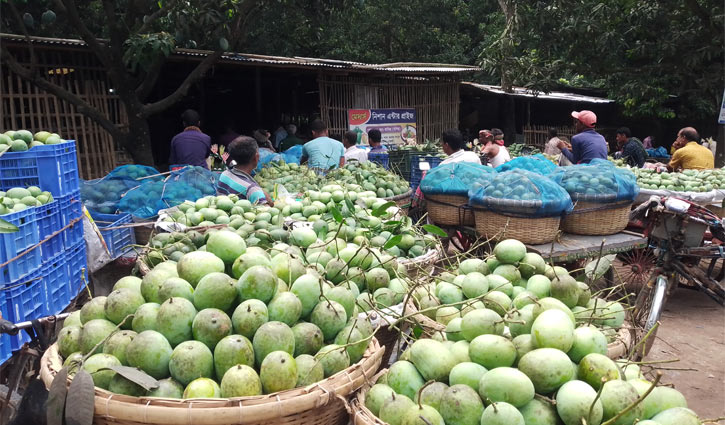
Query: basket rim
{"x": 156, "y": 410}
{"x": 361, "y": 414}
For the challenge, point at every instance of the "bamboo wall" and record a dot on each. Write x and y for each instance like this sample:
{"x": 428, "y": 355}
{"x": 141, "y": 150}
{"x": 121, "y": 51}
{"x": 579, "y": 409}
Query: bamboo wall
{"x": 24, "y": 106}
{"x": 538, "y": 135}
{"x": 436, "y": 102}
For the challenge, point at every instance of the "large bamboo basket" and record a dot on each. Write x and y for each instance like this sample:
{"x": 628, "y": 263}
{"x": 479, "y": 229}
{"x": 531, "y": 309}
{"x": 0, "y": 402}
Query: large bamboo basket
{"x": 534, "y": 230}
{"x": 361, "y": 415}
{"x": 323, "y": 403}
{"x": 422, "y": 264}
{"x": 449, "y": 210}
{"x": 591, "y": 218}
{"x": 403, "y": 201}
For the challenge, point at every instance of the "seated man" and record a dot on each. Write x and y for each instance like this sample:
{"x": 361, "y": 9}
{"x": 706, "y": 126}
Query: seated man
{"x": 238, "y": 179}
{"x": 691, "y": 155}
{"x": 452, "y": 143}
{"x": 352, "y": 152}
{"x": 632, "y": 149}
{"x": 322, "y": 152}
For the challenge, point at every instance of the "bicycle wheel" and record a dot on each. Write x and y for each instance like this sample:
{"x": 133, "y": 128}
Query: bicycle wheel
{"x": 647, "y": 311}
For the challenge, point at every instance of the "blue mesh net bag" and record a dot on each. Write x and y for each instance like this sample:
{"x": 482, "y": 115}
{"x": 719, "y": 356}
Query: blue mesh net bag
{"x": 293, "y": 154}
{"x": 188, "y": 183}
{"x": 102, "y": 195}
{"x": 143, "y": 201}
{"x": 133, "y": 172}
{"x": 455, "y": 179}
{"x": 522, "y": 193}
{"x": 599, "y": 181}
{"x": 534, "y": 163}
{"x": 265, "y": 157}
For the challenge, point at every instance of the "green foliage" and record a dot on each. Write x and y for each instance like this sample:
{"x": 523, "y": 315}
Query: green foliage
{"x": 142, "y": 49}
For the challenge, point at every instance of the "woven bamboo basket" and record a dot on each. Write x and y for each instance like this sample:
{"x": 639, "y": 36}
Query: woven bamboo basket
{"x": 534, "y": 230}
{"x": 402, "y": 201}
{"x": 422, "y": 264}
{"x": 323, "y": 403}
{"x": 619, "y": 348}
{"x": 428, "y": 325}
{"x": 361, "y": 415}
{"x": 143, "y": 232}
{"x": 591, "y": 218}
{"x": 448, "y": 210}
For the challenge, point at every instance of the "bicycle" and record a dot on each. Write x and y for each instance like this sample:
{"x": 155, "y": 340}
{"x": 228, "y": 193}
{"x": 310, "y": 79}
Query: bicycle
{"x": 676, "y": 231}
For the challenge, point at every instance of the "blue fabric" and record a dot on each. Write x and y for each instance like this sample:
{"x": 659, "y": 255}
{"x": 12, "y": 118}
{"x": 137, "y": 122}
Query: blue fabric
{"x": 534, "y": 163}
{"x": 521, "y": 192}
{"x": 293, "y": 154}
{"x": 455, "y": 178}
{"x": 660, "y": 152}
{"x": 598, "y": 181}
{"x": 265, "y": 157}
{"x": 190, "y": 147}
{"x": 586, "y": 146}
{"x": 323, "y": 152}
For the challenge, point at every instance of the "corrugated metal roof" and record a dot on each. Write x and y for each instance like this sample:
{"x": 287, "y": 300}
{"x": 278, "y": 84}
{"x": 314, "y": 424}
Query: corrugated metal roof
{"x": 294, "y": 62}
{"x": 553, "y": 95}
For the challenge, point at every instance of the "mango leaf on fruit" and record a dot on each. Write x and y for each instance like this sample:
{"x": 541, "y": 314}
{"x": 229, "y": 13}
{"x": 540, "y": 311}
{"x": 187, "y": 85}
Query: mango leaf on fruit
{"x": 6, "y": 227}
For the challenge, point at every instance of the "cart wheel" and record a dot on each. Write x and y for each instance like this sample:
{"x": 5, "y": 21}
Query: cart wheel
{"x": 647, "y": 312}
{"x": 634, "y": 268}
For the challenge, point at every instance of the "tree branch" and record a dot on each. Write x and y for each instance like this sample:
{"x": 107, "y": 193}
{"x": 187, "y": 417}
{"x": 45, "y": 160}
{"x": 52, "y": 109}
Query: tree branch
{"x": 69, "y": 7}
{"x": 236, "y": 33}
{"x": 150, "y": 19}
{"x": 81, "y": 105}
{"x": 149, "y": 82}
{"x": 31, "y": 46}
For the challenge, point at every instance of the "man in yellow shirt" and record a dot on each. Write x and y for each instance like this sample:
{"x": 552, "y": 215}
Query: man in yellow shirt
{"x": 691, "y": 156}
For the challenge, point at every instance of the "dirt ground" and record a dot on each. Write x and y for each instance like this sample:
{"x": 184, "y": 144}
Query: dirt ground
{"x": 693, "y": 331}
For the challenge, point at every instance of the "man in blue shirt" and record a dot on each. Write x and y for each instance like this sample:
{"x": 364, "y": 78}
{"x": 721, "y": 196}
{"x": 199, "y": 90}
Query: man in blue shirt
{"x": 322, "y": 152}
{"x": 587, "y": 144}
{"x": 375, "y": 141}
{"x": 191, "y": 146}
{"x": 238, "y": 179}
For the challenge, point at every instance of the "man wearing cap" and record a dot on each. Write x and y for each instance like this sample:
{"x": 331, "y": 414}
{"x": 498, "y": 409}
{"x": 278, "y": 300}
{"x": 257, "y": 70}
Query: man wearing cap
{"x": 586, "y": 144}
{"x": 191, "y": 146}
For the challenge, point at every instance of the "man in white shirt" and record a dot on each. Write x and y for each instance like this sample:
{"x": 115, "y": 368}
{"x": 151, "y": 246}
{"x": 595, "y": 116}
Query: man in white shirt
{"x": 452, "y": 143}
{"x": 352, "y": 152}
{"x": 496, "y": 151}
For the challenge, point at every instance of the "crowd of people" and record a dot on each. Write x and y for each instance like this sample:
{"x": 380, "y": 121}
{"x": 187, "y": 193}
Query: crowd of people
{"x": 242, "y": 153}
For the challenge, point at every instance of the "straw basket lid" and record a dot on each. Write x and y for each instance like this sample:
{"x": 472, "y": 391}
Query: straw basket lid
{"x": 284, "y": 407}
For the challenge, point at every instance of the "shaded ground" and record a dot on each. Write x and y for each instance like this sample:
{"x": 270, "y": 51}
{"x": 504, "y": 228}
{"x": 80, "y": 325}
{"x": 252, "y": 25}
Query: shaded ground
{"x": 693, "y": 331}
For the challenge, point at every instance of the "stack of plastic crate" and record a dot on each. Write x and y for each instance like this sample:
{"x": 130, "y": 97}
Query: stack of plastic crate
{"x": 38, "y": 279}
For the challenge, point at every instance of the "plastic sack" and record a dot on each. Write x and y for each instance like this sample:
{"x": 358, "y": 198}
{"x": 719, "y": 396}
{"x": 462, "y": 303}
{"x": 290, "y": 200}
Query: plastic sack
{"x": 534, "y": 163}
{"x": 293, "y": 155}
{"x": 660, "y": 152}
{"x": 599, "y": 181}
{"x": 143, "y": 201}
{"x": 455, "y": 178}
{"x": 523, "y": 193}
{"x": 265, "y": 157}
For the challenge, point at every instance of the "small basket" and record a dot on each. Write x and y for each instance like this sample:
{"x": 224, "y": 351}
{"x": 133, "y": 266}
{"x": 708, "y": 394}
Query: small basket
{"x": 422, "y": 264}
{"x": 361, "y": 415}
{"x": 322, "y": 403}
{"x": 429, "y": 326}
{"x": 621, "y": 346}
{"x": 143, "y": 230}
{"x": 402, "y": 201}
{"x": 449, "y": 210}
{"x": 528, "y": 230}
{"x": 591, "y": 218}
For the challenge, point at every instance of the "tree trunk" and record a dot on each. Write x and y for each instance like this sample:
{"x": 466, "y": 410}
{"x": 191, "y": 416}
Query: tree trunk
{"x": 137, "y": 141}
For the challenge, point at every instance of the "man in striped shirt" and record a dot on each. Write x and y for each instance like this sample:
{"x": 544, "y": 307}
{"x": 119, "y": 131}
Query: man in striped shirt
{"x": 238, "y": 179}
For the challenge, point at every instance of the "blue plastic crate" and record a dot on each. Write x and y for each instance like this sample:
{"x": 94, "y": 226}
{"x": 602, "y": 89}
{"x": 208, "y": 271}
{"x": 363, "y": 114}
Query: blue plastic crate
{"x": 77, "y": 267}
{"x": 57, "y": 285}
{"x": 49, "y": 222}
{"x": 26, "y": 301}
{"x": 6, "y": 349}
{"x": 51, "y": 167}
{"x": 118, "y": 240}
{"x": 12, "y": 244}
{"x": 416, "y": 174}
{"x": 71, "y": 208}
{"x": 382, "y": 159}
